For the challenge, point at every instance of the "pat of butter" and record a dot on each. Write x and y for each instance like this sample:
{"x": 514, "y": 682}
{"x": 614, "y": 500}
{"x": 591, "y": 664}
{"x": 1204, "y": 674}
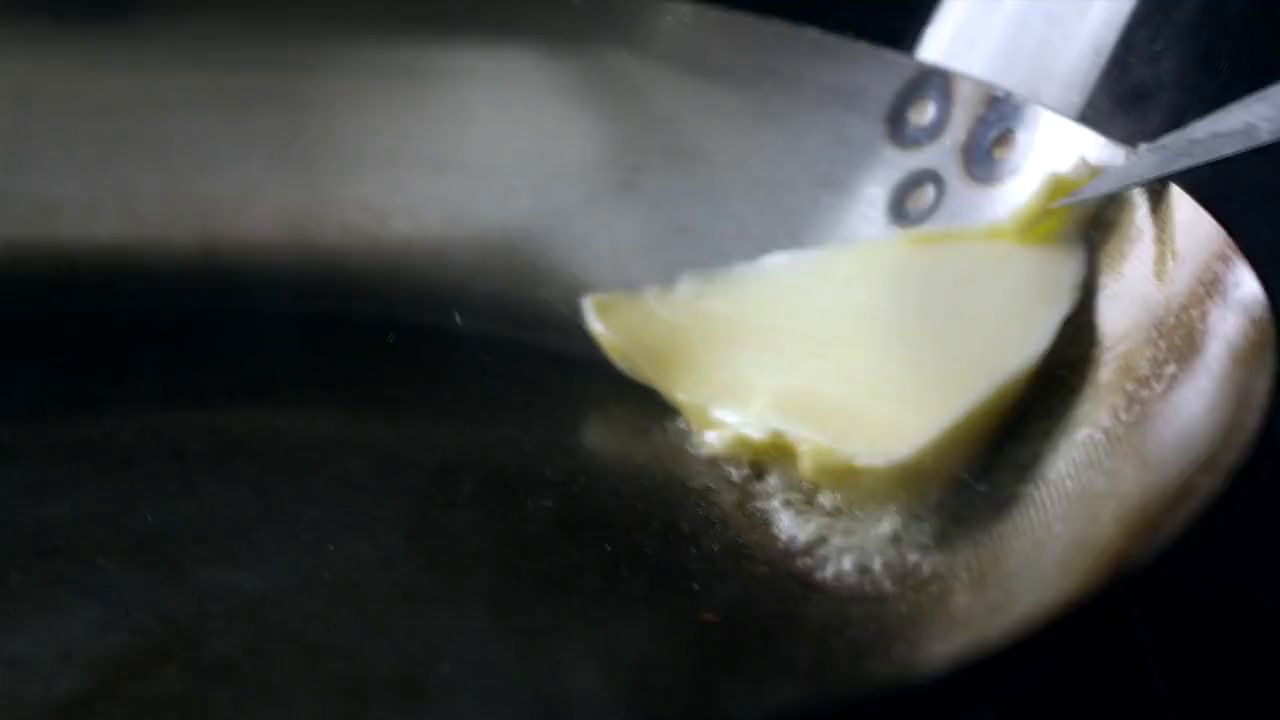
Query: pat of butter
{"x": 870, "y": 367}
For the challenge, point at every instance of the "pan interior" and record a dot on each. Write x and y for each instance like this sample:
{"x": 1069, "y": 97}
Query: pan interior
{"x": 214, "y": 486}
{"x": 296, "y": 409}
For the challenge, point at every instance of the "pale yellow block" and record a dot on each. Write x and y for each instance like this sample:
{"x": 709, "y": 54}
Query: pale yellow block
{"x": 873, "y": 367}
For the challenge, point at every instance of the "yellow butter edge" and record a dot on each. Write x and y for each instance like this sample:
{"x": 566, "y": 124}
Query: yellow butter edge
{"x": 915, "y": 475}
{"x": 1035, "y": 222}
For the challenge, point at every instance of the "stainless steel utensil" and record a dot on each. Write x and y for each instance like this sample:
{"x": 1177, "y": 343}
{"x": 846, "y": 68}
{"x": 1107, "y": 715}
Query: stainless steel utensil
{"x": 1248, "y": 123}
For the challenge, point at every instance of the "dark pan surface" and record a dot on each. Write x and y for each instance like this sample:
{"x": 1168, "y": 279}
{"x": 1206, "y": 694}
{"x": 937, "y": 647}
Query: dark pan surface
{"x": 242, "y": 509}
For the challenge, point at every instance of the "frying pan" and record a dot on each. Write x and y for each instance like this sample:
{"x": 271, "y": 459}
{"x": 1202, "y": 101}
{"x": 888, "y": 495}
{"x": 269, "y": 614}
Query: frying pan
{"x": 298, "y": 417}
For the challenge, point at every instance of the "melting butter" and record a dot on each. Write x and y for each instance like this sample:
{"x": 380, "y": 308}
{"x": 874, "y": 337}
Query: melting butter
{"x": 876, "y": 368}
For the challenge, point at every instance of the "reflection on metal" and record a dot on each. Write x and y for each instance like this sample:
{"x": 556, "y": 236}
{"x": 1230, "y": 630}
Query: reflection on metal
{"x": 1048, "y": 51}
{"x": 921, "y": 110}
{"x": 916, "y": 197}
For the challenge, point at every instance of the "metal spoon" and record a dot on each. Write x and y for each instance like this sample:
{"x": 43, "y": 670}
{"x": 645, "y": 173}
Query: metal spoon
{"x": 1248, "y": 123}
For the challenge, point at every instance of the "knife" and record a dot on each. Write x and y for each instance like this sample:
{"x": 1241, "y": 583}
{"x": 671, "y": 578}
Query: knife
{"x": 1248, "y": 123}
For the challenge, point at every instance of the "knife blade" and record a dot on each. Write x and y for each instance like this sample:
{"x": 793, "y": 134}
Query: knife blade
{"x": 1246, "y": 124}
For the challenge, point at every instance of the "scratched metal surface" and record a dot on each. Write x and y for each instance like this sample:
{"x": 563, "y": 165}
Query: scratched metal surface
{"x": 297, "y": 415}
